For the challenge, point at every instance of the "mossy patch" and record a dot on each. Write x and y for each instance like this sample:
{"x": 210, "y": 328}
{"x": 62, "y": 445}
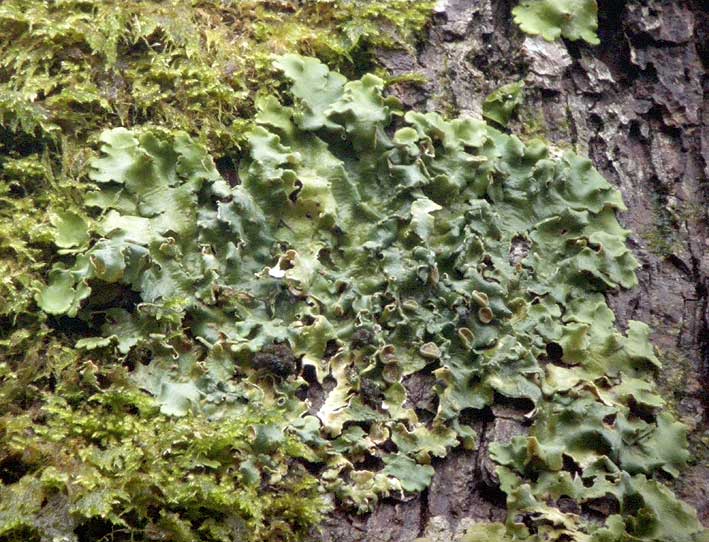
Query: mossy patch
{"x": 111, "y": 457}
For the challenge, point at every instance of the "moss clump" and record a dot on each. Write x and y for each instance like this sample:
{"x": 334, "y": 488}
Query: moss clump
{"x": 69, "y": 67}
{"x": 111, "y": 465}
{"x": 227, "y": 296}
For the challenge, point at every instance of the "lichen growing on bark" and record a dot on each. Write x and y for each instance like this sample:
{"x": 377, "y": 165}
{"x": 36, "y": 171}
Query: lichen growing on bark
{"x": 553, "y": 19}
{"x": 355, "y": 246}
{"x": 372, "y": 244}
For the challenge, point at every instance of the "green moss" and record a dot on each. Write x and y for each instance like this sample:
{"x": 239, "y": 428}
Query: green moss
{"x": 113, "y": 457}
{"x": 83, "y": 450}
{"x": 219, "y": 452}
{"x": 72, "y": 66}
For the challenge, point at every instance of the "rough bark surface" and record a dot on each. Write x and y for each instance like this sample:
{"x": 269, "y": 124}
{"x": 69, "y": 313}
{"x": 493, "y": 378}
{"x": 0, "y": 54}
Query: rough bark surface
{"x": 635, "y": 104}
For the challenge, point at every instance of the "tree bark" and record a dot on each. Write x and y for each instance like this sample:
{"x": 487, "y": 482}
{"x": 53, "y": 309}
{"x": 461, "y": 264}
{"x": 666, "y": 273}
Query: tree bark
{"x": 635, "y": 105}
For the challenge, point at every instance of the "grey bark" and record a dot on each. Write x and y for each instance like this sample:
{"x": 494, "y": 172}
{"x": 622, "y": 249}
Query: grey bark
{"x": 635, "y": 105}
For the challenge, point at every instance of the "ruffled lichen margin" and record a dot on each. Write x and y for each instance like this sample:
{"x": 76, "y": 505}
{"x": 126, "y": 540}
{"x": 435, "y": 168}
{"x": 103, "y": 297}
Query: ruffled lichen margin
{"x": 274, "y": 314}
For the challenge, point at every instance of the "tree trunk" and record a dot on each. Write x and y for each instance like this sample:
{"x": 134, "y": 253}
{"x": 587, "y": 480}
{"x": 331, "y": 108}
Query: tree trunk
{"x": 635, "y": 105}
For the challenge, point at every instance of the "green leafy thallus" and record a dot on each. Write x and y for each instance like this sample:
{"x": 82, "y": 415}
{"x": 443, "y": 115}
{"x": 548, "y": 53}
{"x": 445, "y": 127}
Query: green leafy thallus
{"x": 363, "y": 245}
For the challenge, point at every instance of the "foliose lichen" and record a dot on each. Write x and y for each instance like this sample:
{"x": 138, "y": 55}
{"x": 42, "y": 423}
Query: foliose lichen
{"x": 360, "y": 245}
{"x": 553, "y": 19}
{"x": 355, "y": 247}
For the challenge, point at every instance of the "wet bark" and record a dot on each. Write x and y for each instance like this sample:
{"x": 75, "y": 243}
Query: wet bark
{"x": 635, "y": 105}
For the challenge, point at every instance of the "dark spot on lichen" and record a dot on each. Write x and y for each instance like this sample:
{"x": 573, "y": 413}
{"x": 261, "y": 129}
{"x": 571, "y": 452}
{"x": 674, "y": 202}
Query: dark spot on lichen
{"x": 555, "y": 352}
{"x": 277, "y": 359}
{"x": 568, "y": 505}
{"x": 331, "y": 348}
{"x": 361, "y": 338}
{"x": 371, "y": 394}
